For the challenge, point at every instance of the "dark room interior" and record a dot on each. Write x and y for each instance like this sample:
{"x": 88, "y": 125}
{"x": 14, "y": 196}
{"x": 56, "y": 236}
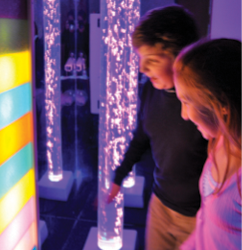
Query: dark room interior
{"x": 69, "y": 222}
{"x": 65, "y": 223}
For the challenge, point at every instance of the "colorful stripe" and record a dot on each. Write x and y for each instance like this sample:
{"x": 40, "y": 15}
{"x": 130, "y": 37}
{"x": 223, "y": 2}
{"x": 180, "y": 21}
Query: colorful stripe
{"x": 15, "y": 168}
{"x": 12, "y": 203}
{"x": 15, "y": 136}
{"x": 15, "y": 70}
{"x": 14, "y": 35}
{"x": 29, "y": 240}
{"x": 15, "y": 103}
{"x": 19, "y": 226}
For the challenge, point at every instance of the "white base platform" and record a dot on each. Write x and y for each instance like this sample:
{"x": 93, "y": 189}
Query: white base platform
{"x": 129, "y": 240}
{"x": 43, "y": 232}
{"x": 133, "y": 197}
{"x": 56, "y": 190}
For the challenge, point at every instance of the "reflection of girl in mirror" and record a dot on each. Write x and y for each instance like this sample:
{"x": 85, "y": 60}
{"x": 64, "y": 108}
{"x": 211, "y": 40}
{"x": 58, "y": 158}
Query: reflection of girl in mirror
{"x": 208, "y": 83}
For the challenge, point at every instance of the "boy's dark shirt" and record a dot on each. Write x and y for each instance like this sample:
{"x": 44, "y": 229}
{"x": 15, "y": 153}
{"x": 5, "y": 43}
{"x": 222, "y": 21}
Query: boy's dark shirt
{"x": 178, "y": 149}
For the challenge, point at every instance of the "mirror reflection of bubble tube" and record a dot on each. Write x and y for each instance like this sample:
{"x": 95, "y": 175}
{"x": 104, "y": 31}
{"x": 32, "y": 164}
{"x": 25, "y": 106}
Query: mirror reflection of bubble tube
{"x": 56, "y": 183}
{"x": 52, "y": 89}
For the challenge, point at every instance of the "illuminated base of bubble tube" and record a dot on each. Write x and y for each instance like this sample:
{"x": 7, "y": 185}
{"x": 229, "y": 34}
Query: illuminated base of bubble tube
{"x": 43, "y": 232}
{"x": 55, "y": 177}
{"x": 133, "y": 197}
{"x": 129, "y": 240}
{"x": 111, "y": 244}
{"x": 56, "y": 190}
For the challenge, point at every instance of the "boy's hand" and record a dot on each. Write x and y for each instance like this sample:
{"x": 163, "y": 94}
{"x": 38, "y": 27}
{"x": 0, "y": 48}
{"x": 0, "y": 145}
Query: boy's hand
{"x": 114, "y": 191}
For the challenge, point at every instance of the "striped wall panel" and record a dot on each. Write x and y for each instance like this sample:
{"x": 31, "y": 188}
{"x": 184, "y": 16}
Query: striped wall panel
{"x": 21, "y": 224}
{"x": 29, "y": 239}
{"x": 14, "y": 169}
{"x": 9, "y": 103}
{"x": 15, "y": 69}
{"x": 14, "y": 35}
{"x": 18, "y": 213}
{"x": 15, "y": 136}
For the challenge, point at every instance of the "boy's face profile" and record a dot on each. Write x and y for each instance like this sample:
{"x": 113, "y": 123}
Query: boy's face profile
{"x": 156, "y": 63}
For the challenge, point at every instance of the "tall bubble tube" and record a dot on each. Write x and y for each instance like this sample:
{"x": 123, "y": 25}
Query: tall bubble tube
{"x": 52, "y": 87}
{"x": 118, "y": 110}
{"x": 63, "y": 179}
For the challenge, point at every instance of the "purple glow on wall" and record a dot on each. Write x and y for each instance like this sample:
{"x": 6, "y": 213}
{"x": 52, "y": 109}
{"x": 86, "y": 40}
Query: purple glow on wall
{"x": 13, "y": 9}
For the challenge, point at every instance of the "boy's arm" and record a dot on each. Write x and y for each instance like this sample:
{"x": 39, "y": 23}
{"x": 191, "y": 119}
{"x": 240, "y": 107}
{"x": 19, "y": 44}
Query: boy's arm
{"x": 137, "y": 147}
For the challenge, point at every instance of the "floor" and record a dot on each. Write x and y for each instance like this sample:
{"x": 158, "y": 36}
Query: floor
{"x": 69, "y": 222}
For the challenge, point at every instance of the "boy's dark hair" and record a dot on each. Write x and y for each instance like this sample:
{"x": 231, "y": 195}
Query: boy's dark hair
{"x": 173, "y": 26}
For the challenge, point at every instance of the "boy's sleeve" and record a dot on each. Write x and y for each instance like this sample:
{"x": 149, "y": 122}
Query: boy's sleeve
{"x": 138, "y": 145}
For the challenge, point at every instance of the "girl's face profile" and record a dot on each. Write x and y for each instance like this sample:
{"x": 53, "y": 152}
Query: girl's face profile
{"x": 190, "y": 112}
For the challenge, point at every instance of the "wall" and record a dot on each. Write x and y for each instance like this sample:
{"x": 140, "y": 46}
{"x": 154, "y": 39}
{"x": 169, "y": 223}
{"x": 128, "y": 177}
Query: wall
{"x": 226, "y": 19}
{"x": 148, "y": 5}
{"x": 94, "y": 6}
{"x": 200, "y": 10}
{"x": 18, "y": 216}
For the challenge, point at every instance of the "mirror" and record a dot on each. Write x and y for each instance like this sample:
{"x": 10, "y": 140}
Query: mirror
{"x": 79, "y": 127}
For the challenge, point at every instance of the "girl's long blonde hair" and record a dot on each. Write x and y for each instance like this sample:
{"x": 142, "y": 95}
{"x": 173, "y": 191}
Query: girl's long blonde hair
{"x": 212, "y": 72}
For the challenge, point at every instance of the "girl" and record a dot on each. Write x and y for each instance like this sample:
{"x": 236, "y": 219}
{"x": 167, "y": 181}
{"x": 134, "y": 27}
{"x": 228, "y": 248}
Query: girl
{"x": 207, "y": 77}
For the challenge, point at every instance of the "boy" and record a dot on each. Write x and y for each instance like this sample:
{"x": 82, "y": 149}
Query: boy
{"x": 178, "y": 148}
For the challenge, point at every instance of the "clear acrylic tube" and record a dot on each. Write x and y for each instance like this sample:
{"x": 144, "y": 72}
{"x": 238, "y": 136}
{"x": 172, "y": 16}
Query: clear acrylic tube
{"x": 118, "y": 110}
{"x": 51, "y": 17}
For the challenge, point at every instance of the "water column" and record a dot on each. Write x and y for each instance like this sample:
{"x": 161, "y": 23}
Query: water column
{"x": 52, "y": 87}
{"x": 118, "y": 108}
{"x": 55, "y": 184}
